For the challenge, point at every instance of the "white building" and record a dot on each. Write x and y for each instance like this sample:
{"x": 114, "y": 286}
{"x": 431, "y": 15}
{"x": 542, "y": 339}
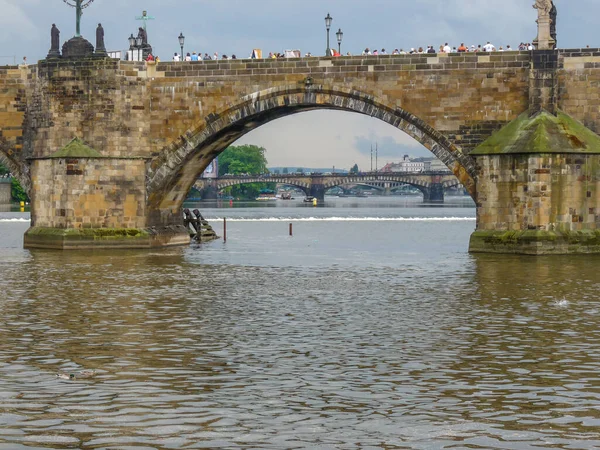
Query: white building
{"x": 415, "y": 165}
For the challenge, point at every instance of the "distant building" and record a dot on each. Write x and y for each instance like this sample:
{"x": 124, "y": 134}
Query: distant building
{"x": 412, "y": 165}
{"x": 406, "y": 165}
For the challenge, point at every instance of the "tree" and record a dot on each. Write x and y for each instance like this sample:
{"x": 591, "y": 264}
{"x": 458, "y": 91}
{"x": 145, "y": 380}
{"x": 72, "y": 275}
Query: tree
{"x": 245, "y": 160}
{"x": 354, "y": 169}
{"x": 284, "y": 171}
{"x": 18, "y": 194}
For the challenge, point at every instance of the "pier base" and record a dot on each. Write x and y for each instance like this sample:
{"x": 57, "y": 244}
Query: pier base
{"x": 535, "y": 242}
{"x": 105, "y": 238}
{"x": 538, "y": 188}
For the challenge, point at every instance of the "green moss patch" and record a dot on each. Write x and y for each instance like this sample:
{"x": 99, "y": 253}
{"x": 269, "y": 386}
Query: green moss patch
{"x": 89, "y": 233}
{"x": 76, "y": 149}
{"x": 542, "y": 133}
{"x": 535, "y": 242}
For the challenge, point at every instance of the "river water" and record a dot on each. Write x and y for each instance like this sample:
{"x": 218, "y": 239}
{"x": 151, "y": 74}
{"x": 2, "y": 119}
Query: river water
{"x": 372, "y": 328}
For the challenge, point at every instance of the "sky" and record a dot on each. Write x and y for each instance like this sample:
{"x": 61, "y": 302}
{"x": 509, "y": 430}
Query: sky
{"x": 317, "y": 138}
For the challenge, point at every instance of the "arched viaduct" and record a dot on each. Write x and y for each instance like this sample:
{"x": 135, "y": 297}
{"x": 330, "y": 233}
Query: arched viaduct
{"x": 432, "y": 184}
{"x": 150, "y": 130}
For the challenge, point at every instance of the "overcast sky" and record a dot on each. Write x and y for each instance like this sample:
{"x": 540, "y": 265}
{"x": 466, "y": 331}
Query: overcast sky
{"x": 319, "y": 138}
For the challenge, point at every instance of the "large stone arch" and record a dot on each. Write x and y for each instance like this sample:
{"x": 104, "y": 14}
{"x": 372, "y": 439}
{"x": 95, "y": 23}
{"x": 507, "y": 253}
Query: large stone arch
{"x": 173, "y": 172}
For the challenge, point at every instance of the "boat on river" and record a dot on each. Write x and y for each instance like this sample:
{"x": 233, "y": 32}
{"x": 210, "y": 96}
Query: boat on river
{"x": 266, "y": 198}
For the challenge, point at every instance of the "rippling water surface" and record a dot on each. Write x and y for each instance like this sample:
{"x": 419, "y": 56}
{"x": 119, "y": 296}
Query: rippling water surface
{"x": 362, "y": 333}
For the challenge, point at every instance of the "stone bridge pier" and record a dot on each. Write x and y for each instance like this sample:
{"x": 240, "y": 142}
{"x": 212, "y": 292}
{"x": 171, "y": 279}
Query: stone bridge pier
{"x": 317, "y": 189}
{"x": 434, "y": 193}
{"x": 210, "y": 190}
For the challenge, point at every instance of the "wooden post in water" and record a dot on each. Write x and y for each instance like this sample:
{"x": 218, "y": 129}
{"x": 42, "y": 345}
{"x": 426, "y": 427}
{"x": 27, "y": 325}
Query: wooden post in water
{"x": 291, "y": 234}
{"x": 224, "y": 230}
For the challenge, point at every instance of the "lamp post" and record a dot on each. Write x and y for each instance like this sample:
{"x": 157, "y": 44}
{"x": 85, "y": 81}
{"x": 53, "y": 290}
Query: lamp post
{"x": 181, "y": 42}
{"x": 340, "y": 36}
{"x": 138, "y": 45}
{"x": 328, "y": 20}
{"x": 131, "y": 44}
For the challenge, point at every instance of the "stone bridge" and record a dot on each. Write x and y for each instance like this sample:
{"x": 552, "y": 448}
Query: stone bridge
{"x": 431, "y": 184}
{"x": 145, "y": 132}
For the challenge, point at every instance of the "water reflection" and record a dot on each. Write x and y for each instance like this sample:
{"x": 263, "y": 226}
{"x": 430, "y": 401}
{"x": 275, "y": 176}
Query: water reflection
{"x": 383, "y": 348}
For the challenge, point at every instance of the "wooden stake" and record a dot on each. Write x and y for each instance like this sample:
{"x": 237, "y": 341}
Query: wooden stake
{"x": 224, "y": 230}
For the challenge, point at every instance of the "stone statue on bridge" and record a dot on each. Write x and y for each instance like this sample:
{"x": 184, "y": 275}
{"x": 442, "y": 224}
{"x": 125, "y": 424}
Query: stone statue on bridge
{"x": 546, "y": 10}
{"x": 543, "y": 6}
{"x": 142, "y": 34}
{"x": 54, "y": 43}
{"x": 100, "y": 48}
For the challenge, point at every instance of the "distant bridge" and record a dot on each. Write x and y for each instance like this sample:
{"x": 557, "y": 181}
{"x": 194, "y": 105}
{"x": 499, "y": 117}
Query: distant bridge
{"x": 431, "y": 184}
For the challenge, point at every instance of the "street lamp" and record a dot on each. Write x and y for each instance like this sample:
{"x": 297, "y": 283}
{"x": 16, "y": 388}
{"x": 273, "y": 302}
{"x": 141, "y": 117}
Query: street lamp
{"x": 340, "y": 36}
{"x": 138, "y": 44}
{"x": 328, "y": 20}
{"x": 131, "y": 44}
{"x": 181, "y": 42}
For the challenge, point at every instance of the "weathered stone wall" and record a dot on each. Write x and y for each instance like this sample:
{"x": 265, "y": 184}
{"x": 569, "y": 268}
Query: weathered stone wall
{"x": 133, "y": 109}
{"x": 547, "y": 201}
{"x": 13, "y": 106}
{"x": 5, "y": 193}
{"x": 88, "y": 193}
{"x": 579, "y": 85}
{"x": 184, "y": 114}
{"x": 464, "y": 96}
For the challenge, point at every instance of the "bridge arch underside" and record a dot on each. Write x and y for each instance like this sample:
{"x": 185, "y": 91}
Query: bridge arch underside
{"x": 301, "y": 185}
{"x": 381, "y": 187}
{"x": 174, "y": 171}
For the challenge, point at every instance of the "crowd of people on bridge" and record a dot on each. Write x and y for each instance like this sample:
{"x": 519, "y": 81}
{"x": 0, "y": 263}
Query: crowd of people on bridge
{"x": 197, "y": 56}
{"x": 430, "y": 49}
{"x": 446, "y": 48}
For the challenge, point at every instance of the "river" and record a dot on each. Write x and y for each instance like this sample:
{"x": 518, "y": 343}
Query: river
{"x": 372, "y": 328}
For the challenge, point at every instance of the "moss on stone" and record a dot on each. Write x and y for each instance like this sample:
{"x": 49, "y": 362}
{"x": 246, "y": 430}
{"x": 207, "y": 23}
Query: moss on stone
{"x": 535, "y": 242}
{"x": 542, "y": 133}
{"x": 90, "y": 233}
{"x": 76, "y": 149}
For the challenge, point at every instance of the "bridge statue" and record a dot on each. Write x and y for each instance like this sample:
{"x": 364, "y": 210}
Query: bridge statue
{"x": 100, "y": 48}
{"x": 54, "y": 43}
{"x": 546, "y": 9}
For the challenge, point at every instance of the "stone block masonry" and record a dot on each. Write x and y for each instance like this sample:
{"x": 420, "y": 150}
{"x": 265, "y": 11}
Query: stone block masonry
{"x": 171, "y": 119}
{"x": 5, "y": 192}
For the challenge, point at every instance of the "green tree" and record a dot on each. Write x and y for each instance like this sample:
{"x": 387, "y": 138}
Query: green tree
{"x": 285, "y": 171}
{"x": 354, "y": 169}
{"x": 18, "y": 194}
{"x": 241, "y": 160}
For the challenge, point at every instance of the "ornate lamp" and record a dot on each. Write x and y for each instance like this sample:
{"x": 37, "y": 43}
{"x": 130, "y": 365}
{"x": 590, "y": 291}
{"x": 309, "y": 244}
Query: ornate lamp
{"x": 181, "y": 42}
{"x": 328, "y": 21}
{"x": 340, "y": 36}
{"x": 131, "y": 41}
